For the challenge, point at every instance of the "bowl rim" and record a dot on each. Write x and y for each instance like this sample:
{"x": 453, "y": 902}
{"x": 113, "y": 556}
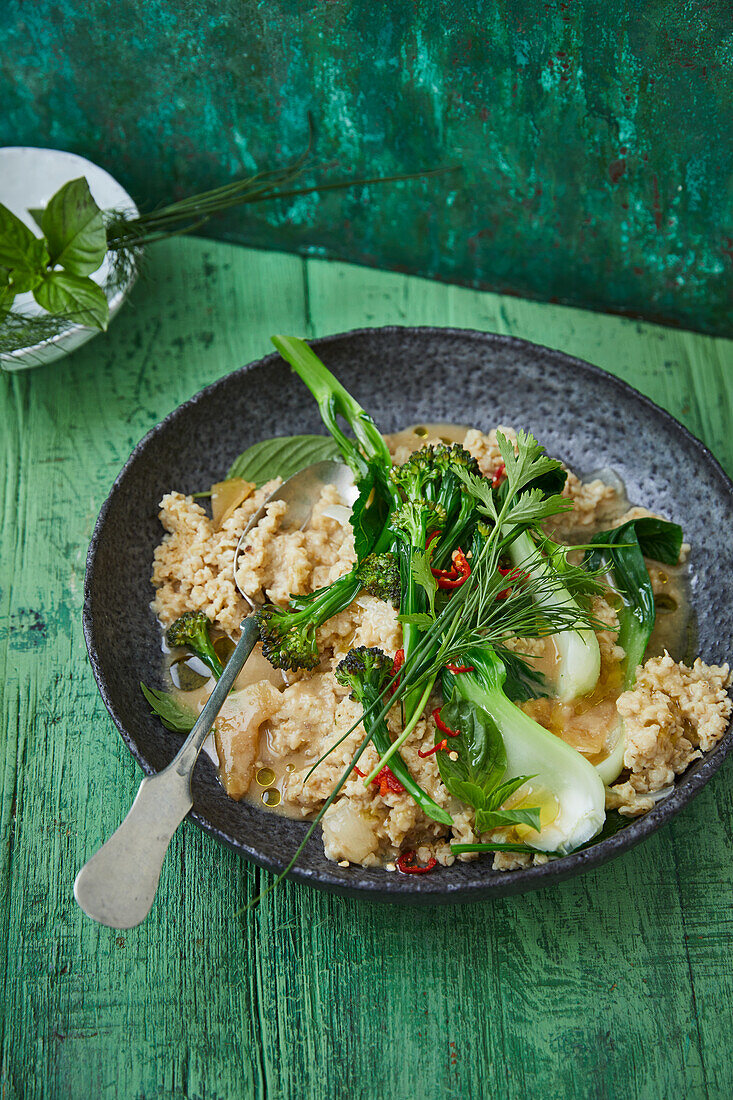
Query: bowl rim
{"x": 392, "y": 887}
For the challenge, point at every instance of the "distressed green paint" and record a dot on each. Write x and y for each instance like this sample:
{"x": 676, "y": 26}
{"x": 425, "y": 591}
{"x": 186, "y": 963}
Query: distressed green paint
{"x": 616, "y": 985}
{"x": 595, "y": 139}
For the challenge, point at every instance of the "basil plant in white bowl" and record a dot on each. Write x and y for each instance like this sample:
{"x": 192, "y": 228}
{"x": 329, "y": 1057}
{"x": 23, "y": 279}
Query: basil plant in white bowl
{"x": 71, "y": 241}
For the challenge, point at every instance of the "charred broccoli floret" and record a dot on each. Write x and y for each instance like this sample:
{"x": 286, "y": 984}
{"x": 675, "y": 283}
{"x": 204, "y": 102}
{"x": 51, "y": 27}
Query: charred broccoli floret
{"x": 380, "y": 576}
{"x": 193, "y": 631}
{"x": 365, "y": 672}
{"x": 289, "y": 633}
{"x": 419, "y": 476}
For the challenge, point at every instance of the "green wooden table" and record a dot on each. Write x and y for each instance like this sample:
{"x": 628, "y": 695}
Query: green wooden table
{"x": 617, "y": 984}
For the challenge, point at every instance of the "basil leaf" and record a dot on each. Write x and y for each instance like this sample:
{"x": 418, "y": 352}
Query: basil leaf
{"x": 19, "y": 248}
{"x": 7, "y": 294}
{"x": 475, "y": 777}
{"x": 36, "y": 212}
{"x": 622, "y": 555}
{"x": 658, "y": 539}
{"x": 174, "y": 715}
{"x": 282, "y": 457}
{"x": 76, "y": 298}
{"x": 479, "y": 746}
{"x": 74, "y": 228}
{"x": 499, "y": 819}
{"x": 21, "y": 280}
{"x": 369, "y": 514}
{"x": 506, "y": 790}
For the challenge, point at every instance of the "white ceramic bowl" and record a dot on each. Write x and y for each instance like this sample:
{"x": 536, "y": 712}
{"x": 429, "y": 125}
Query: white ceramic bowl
{"x": 28, "y": 179}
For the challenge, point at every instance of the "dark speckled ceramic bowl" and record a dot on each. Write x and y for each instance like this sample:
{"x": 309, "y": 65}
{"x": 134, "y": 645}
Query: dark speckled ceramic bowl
{"x": 402, "y": 375}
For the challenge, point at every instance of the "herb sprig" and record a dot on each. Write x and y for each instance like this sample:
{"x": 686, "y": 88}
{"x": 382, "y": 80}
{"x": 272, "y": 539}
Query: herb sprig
{"x": 78, "y": 236}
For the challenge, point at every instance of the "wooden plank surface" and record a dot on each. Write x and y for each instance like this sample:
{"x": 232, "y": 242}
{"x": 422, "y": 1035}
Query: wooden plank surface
{"x": 617, "y": 984}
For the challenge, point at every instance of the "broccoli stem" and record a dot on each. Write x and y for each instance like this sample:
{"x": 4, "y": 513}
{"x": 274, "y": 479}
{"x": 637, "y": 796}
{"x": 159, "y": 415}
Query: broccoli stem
{"x": 393, "y": 747}
{"x": 383, "y": 745}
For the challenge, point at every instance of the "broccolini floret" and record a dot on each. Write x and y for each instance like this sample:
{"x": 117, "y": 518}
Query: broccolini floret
{"x": 379, "y": 574}
{"x": 192, "y": 630}
{"x": 289, "y": 633}
{"x": 365, "y": 672}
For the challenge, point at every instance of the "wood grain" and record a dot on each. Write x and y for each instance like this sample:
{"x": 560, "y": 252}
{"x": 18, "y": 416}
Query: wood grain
{"x": 618, "y": 984}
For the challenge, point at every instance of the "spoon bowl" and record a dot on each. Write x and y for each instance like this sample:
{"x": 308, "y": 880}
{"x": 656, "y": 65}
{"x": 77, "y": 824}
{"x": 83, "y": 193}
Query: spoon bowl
{"x": 300, "y": 492}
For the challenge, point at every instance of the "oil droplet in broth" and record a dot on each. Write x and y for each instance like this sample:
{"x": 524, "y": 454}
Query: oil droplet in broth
{"x": 265, "y": 777}
{"x": 271, "y": 797}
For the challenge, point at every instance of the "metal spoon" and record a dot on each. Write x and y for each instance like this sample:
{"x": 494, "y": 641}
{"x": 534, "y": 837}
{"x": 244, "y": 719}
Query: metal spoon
{"x": 117, "y": 885}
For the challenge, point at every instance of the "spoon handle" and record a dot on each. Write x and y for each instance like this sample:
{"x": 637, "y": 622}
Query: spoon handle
{"x": 117, "y": 885}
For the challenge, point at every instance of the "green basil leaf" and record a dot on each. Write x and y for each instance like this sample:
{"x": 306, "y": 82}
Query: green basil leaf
{"x": 174, "y": 715}
{"x": 506, "y": 790}
{"x": 500, "y": 819}
{"x": 621, "y": 553}
{"x": 475, "y": 776}
{"x": 282, "y": 457}
{"x": 369, "y": 514}
{"x": 481, "y": 758}
{"x": 75, "y": 298}
{"x": 36, "y": 212}
{"x": 659, "y": 539}
{"x": 74, "y": 228}
{"x": 7, "y": 295}
{"x": 19, "y": 248}
{"x": 20, "y": 280}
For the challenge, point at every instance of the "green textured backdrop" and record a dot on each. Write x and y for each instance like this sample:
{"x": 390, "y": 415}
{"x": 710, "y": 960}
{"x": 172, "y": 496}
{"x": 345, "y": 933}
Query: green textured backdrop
{"x": 595, "y": 138}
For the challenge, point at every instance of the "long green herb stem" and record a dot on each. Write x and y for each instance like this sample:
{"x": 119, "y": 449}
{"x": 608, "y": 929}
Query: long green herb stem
{"x": 397, "y": 745}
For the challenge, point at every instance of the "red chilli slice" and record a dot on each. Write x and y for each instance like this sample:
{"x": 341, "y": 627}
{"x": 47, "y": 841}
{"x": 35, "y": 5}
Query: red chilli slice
{"x": 441, "y": 724}
{"x": 405, "y": 864}
{"x": 387, "y": 780}
{"x": 458, "y": 575}
{"x": 499, "y": 475}
{"x": 442, "y": 746}
{"x": 399, "y": 660}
